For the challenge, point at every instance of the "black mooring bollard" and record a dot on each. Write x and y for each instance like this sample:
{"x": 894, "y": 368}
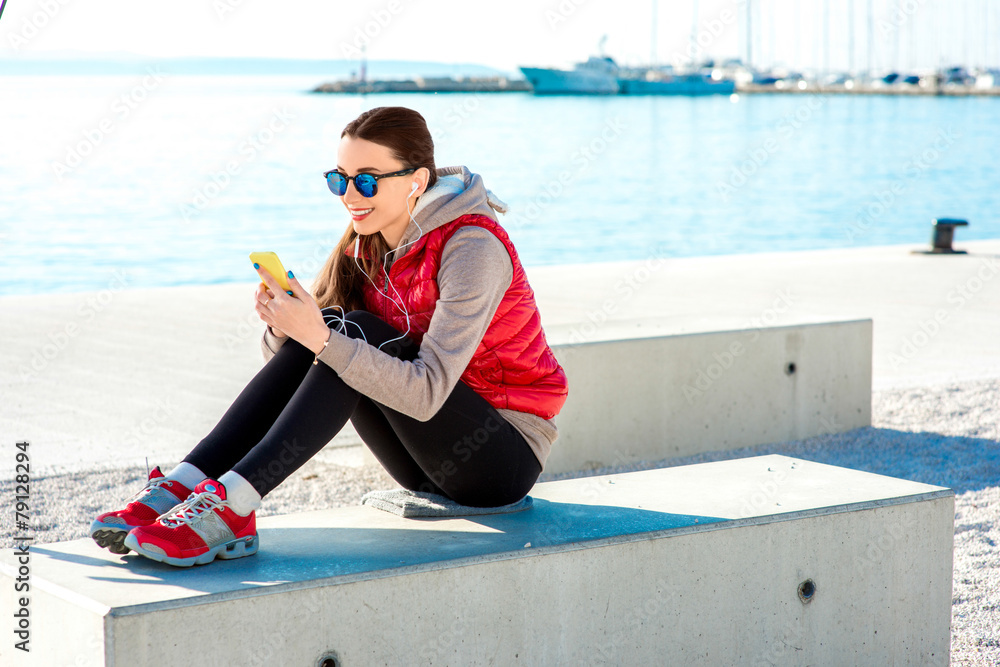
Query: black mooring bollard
{"x": 942, "y": 237}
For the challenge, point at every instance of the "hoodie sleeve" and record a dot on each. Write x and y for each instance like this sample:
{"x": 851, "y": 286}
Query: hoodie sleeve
{"x": 475, "y": 272}
{"x": 270, "y": 344}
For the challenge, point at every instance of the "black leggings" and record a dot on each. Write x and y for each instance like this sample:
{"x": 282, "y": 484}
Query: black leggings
{"x": 292, "y": 408}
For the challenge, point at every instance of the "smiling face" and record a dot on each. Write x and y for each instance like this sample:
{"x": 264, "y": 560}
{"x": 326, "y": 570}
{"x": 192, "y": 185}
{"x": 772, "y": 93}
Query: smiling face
{"x": 388, "y": 211}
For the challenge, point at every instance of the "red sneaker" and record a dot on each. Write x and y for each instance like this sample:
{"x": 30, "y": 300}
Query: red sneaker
{"x": 158, "y": 496}
{"x": 202, "y": 528}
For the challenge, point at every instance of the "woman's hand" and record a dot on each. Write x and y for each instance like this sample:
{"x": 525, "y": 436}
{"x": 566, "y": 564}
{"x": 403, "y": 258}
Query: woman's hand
{"x": 295, "y": 315}
{"x": 261, "y": 297}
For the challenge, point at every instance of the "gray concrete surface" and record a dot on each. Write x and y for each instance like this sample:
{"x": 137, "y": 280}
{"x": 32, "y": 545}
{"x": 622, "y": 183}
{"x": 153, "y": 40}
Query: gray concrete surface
{"x": 681, "y": 394}
{"x": 104, "y": 380}
{"x": 701, "y": 562}
{"x": 946, "y": 435}
{"x": 103, "y": 402}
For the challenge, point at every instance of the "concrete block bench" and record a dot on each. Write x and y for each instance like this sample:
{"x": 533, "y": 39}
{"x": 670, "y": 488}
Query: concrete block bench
{"x": 764, "y": 560}
{"x": 667, "y": 396}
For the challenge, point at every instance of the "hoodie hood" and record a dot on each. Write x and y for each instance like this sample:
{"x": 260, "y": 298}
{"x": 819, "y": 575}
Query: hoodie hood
{"x": 457, "y": 192}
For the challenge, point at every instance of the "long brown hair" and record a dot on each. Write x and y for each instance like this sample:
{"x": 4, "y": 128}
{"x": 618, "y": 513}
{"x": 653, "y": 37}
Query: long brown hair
{"x": 405, "y": 133}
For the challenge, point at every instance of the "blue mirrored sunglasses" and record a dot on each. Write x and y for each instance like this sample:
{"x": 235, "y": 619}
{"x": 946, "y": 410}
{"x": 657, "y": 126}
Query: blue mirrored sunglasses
{"x": 365, "y": 184}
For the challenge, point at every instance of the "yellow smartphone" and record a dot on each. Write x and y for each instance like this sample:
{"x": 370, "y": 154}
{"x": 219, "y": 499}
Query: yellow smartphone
{"x": 270, "y": 261}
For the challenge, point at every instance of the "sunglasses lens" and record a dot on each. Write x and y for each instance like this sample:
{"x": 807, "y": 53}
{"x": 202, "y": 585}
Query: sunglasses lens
{"x": 366, "y": 185}
{"x": 337, "y": 183}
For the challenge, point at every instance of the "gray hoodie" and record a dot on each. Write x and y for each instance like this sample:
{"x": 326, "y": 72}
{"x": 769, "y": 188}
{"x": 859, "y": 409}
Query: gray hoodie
{"x": 475, "y": 273}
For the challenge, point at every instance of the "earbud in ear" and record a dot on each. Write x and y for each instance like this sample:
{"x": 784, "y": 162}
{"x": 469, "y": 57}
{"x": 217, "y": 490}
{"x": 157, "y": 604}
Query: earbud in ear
{"x": 415, "y": 187}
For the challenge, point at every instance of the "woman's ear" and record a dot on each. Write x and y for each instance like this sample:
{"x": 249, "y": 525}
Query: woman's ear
{"x": 421, "y": 177}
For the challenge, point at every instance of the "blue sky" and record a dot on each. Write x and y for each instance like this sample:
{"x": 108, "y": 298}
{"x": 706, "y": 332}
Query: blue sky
{"x": 908, "y": 33}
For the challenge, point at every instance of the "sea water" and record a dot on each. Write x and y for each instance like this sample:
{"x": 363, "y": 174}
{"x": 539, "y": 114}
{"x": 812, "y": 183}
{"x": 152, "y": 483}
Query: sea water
{"x": 156, "y": 180}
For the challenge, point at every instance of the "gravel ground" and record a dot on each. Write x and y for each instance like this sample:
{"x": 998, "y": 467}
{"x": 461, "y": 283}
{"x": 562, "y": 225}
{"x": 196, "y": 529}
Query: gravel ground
{"x": 947, "y": 435}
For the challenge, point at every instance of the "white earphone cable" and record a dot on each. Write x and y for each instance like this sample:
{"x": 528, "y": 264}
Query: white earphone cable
{"x": 400, "y": 305}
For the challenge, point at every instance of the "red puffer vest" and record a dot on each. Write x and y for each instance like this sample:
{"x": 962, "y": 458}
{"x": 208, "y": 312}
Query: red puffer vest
{"x": 513, "y": 368}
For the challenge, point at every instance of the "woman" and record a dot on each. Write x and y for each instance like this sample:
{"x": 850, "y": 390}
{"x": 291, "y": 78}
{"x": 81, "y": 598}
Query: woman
{"x": 422, "y": 330}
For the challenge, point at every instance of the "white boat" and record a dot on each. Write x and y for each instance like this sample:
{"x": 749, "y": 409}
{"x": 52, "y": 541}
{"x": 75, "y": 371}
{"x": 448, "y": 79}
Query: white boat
{"x": 655, "y": 82}
{"x": 597, "y": 76}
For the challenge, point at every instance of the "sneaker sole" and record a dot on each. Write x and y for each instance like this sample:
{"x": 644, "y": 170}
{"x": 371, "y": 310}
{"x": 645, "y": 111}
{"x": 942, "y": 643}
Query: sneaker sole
{"x": 238, "y": 548}
{"x": 110, "y": 537}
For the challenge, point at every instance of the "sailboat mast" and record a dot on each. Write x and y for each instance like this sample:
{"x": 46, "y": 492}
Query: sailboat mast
{"x": 896, "y": 56}
{"x": 986, "y": 37}
{"x": 798, "y": 37}
{"x": 694, "y": 32}
{"x": 826, "y": 36}
{"x": 652, "y": 37}
{"x": 850, "y": 37}
{"x": 871, "y": 36}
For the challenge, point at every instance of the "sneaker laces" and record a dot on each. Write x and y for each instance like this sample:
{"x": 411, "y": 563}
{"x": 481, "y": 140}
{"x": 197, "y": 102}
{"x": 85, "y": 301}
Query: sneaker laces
{"x": 151, "y": 485}
{"x": 192, "y": 508}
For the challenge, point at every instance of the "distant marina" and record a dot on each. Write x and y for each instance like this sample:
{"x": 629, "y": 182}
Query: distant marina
{"x": 436, "y": 84}
{"x": 693, "y": 175}
{"x": 697, "y": 74}
{"x": 600, "y": 75}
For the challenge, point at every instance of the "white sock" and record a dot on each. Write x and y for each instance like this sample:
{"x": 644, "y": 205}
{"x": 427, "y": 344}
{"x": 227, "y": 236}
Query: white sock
{"x": 242, "y": 497}
{"x": 187, "y": 474}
